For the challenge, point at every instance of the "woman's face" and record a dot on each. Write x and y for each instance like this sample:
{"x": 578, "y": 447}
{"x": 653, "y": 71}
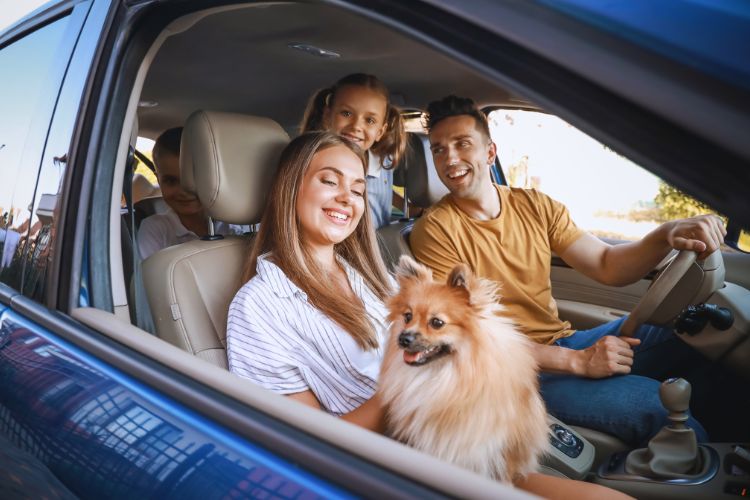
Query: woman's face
{"x": 358, "y": 114}
{"x": 331, "y": 200}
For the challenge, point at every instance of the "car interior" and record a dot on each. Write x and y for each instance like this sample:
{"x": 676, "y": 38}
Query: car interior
{"x": 237, "y": 78}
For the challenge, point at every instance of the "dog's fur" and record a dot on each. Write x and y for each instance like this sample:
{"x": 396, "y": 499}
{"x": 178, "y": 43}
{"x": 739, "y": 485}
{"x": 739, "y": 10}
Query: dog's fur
{"x": 475, "y": 399}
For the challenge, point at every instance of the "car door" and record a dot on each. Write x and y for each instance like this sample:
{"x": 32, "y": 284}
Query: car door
{"x": 65, "y": 408}
{"x": 607, "y": 195}
{"x": 102, "y": 419}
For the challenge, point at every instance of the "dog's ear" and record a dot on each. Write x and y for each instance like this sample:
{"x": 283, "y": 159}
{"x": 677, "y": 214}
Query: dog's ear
{"x": 408, "y": 268}
{"x": 460, "y": 276}
{"x": 483, "y": 293}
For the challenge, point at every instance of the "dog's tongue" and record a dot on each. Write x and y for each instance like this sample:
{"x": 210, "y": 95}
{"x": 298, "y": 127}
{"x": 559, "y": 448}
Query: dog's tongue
{"x": 412, "y": 357}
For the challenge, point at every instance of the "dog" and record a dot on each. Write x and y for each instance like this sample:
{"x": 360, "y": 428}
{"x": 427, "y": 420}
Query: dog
{"x": 458, "y": 381}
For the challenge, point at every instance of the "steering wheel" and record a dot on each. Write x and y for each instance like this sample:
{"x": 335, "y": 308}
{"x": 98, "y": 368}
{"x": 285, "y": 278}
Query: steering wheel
{"x": 708, "y": 276}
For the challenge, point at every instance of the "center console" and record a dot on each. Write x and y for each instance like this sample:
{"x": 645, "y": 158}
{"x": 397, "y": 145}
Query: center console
{"x": 569, "y": 454}
{"x": 727, "y": 476}
{"x": 672, "y": 465}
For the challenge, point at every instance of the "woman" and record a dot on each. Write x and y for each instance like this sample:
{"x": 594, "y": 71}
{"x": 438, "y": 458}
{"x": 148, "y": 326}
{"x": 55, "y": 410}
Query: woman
{"x": 309, "y": 322}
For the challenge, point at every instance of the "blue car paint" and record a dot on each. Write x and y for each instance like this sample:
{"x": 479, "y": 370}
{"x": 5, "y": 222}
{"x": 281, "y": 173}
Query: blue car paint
{"x": 107, "y": 435}
{"x": 710, "y": 35}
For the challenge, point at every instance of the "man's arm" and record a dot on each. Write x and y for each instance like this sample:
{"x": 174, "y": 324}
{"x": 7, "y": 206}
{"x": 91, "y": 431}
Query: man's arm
{"x": 619, "y": 265}
{"x": 608, "y": 356}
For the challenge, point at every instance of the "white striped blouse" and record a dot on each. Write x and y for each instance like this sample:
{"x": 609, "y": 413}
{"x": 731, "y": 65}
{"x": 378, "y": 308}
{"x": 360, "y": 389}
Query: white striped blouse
{"x": 277, "y": 339}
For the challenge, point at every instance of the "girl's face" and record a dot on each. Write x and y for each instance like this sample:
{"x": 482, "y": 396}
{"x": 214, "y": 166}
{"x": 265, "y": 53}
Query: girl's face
{"x": 358, "y": 114}
{"x": 331, "y": 200}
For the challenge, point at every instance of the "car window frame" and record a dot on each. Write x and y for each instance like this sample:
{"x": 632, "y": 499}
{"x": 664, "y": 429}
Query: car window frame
{"x": 74, "y": 13}
{"x": 733, "y": 228}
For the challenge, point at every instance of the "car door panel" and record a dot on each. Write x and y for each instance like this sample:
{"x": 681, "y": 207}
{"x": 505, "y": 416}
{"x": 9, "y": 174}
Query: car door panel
{"x": 587, "y": 303}
{"x": 414, "y": 468}
{"x": 107, "y": 435}
{"x": 737, "y": 268}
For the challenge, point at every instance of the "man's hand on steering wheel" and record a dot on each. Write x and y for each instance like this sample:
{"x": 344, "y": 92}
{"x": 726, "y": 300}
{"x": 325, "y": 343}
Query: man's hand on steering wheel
{"x": 702, "y": 234}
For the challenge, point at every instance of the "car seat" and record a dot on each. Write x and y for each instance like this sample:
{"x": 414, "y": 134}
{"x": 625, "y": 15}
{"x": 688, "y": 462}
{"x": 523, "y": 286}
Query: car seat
{"x": 422, "y": 187}
{"x": 228, "y": 161}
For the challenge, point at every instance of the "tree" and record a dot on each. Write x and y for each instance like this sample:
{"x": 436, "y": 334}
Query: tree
{"x": 674, "y": 204}
{"x": 671, "y": 204}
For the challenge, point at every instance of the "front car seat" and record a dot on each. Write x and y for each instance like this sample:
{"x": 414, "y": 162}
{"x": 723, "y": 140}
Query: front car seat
{"x": 228, "y": 161}
{"x": 422, "y": 187}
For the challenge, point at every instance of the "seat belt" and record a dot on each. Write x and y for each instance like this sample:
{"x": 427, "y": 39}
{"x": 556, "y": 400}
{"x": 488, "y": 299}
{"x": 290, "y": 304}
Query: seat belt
{"x": 142, "y": 310}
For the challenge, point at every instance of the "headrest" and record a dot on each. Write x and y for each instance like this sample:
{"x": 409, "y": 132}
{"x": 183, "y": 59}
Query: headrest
{"x": 423, "y": 186}
{"x": 229, "y": 160}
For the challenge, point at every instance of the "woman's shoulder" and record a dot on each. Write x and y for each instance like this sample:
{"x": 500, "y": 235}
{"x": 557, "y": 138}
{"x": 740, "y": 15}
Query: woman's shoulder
{"x": 269, "y": 285}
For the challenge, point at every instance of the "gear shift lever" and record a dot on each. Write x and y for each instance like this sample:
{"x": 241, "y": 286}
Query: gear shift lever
{"x": 673, "y": 452}
{"x": 675, "y": 397}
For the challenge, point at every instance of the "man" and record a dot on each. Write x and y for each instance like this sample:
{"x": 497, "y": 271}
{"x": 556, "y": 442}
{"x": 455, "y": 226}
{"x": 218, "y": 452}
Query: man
{"x": 185, "y": 220}
{"x": 508, "y": 235}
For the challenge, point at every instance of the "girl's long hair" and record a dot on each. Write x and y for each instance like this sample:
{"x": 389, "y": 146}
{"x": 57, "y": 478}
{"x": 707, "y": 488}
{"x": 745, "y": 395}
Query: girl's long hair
{"x": 393, "y": 142}
{"x": 280, "y": 233}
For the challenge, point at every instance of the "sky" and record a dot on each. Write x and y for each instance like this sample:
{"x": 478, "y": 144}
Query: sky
{"x": 13, "y": 10}
{"x": 575, "y": 169}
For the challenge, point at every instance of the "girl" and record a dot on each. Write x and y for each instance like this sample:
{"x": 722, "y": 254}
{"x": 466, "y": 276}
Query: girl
{"x": 310, "y": 322}
{"x": 358, "y": 107}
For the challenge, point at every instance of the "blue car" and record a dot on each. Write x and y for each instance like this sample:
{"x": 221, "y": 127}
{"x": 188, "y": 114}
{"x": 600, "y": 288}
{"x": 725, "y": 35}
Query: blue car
{"x": 113, "y": 379}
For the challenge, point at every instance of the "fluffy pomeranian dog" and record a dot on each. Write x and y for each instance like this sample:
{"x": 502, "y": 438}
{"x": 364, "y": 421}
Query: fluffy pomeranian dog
{"x": 458, "y": 380}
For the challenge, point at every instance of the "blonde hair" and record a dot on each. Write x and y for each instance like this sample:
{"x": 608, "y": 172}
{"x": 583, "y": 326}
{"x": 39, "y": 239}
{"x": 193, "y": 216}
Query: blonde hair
{"x": 280, "y": 233}
{"x": 393, "y": 142}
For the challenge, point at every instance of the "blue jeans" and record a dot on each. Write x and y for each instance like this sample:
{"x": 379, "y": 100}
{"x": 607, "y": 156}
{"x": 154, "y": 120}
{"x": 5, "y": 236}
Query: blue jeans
{"x": 625, "y": 406}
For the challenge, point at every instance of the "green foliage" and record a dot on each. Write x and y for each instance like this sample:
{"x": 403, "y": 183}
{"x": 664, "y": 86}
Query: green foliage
{"x": 674, "y": 204}
{"x": 671, "y": 204}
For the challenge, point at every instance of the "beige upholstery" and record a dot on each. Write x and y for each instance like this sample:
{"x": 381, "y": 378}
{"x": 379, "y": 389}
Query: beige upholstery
{"x": 222, "y": 155}
{"x": 423, "y": 188}
{"x": 604, "y": 444}
{"x": 228, "y": 160}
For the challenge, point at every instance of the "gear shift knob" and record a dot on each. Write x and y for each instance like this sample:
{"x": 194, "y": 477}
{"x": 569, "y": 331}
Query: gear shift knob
{"x": 675, "y": 396}
{"x": 673, "y": 453}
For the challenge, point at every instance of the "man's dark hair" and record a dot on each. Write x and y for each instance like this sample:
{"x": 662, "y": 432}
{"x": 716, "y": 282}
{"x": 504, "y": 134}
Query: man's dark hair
{"x": 456, "y": 106}
{"x": 167, "y": 142}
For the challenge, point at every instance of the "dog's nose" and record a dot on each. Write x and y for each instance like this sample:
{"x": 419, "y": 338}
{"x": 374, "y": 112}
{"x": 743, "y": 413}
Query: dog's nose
{"x": 406, "y": 339}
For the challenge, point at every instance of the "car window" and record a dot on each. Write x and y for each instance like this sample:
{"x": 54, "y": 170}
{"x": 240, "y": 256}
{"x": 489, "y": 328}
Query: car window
{"x": 606, "y": 193}
{"x": 27, "y": 99}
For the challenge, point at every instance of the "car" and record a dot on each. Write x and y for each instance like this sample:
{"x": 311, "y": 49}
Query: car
{"x": 111, "y": 371}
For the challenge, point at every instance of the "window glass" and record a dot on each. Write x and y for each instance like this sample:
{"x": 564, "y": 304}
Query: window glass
{"x": 606, "y": 193}
{"x": 31, "y": 74}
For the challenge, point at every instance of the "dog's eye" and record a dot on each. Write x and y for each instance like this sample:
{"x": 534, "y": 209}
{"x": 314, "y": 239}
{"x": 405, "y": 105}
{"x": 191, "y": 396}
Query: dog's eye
{"x": 436, "y": 323}
{"x": 407, "y": 317}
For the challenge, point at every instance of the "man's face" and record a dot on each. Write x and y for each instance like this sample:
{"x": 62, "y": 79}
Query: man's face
{"x": 168, "y": 174}
{"x": 462, "y": 156}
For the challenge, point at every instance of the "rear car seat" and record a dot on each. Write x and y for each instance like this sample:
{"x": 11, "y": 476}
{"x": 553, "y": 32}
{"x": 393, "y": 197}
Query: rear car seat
{"x": 423, "y": 188}
{"x": 228, "y": 160}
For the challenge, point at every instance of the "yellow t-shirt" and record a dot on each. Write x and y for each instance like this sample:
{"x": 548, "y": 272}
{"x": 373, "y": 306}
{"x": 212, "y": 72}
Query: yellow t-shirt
{"x": 515, "y": 249}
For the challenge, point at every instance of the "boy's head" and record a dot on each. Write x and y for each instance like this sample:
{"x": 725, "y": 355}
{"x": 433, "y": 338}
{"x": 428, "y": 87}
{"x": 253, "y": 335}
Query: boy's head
{"x": 166, "y": 154}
